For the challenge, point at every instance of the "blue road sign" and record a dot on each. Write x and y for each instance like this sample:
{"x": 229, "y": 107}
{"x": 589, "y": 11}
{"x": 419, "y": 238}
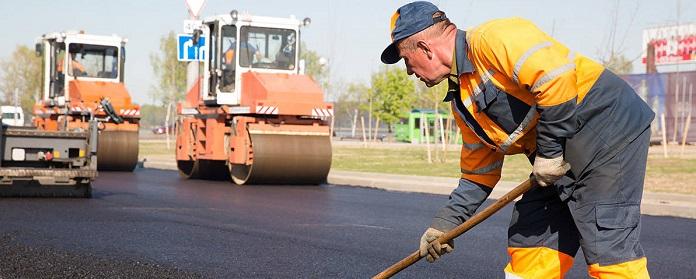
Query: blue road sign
{"x": 187, "y": 51}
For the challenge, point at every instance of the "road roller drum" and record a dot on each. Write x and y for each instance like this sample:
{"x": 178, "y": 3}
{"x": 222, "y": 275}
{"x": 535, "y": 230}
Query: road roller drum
{"x": 118, "y": 150}
{"x": 285, "y": 159}
{"x": 188, "y": 169}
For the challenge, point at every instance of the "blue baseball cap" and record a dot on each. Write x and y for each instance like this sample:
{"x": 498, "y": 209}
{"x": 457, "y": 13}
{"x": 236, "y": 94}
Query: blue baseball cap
{"x": 406, "y": 21}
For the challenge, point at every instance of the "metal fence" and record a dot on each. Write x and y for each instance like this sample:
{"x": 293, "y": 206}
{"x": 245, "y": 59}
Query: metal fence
{"x": 670, "y": 95}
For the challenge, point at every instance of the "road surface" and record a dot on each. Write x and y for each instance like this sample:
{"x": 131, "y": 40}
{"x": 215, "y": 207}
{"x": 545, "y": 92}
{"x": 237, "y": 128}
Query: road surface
{"x": 151, "y": 223}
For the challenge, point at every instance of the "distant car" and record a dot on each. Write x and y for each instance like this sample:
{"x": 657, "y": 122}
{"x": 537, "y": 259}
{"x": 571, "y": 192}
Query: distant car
{"x": 158, "y": 130}
{"x": 12, "y": 116}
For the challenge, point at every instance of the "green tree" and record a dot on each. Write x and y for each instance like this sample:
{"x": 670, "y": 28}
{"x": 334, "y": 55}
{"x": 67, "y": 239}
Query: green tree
{"x": 21, "y": 71}
{"x": 170, "y": 74}
{"x": 152, "y": 115}
{"x": 392, "y": 94}
{"x": 315, "y": 66}
{"x": 349, "y": 102}
{"x": 431, "y": 97}
{"x": 354, "y": 95}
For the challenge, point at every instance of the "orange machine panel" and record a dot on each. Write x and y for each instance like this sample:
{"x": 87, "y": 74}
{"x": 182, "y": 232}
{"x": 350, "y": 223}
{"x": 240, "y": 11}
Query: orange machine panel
{"x": 93, "y": 91}
{"x": 292, "y": 94}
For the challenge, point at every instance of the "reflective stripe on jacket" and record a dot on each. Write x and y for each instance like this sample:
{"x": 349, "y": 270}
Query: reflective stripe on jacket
{"x": 516, "y": 92}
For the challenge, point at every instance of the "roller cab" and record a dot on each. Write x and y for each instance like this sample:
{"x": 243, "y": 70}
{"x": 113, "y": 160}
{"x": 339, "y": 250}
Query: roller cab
{"x": 83, "y": 78}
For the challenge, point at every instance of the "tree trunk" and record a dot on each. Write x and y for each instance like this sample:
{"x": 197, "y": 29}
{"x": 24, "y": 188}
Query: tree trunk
{"x": 442, "y": 138}
{"x": 448, "y": 130}
{"x": 427, "y": 137}
{"x": 687, "y": 123}
{"x": 369, "y": 119}
{"x": 355, "y": 123}
{"x": 362, "y": 126}
{"x": 663, "y": 125}
{"x": 374, "y": 138}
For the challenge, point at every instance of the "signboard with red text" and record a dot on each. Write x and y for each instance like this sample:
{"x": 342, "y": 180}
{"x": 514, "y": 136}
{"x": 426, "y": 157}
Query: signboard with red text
{"x": 673, "y": 44}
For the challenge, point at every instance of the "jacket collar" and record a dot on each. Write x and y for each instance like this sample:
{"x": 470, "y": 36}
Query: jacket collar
{"x": 461, "y": 64}
{"x": 461, "y": 48}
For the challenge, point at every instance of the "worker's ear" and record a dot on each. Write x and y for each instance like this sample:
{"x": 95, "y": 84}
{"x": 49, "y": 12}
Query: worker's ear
{"x": 425, "y": 48}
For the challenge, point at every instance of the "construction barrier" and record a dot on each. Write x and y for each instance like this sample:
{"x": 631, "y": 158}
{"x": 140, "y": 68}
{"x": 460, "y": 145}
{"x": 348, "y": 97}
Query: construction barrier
{"x": 670, "y": 95}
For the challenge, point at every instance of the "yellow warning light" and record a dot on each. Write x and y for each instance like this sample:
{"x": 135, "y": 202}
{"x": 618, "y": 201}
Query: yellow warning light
{"x": 82, "y": 153}
{"x": 56, "y": 154}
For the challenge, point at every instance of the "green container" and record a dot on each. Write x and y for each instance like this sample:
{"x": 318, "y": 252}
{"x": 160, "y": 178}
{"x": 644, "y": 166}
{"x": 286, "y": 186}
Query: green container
{"x": 409, "y": 129}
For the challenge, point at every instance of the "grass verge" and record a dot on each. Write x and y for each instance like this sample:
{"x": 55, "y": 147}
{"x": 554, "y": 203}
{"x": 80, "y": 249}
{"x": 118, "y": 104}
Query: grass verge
{"x": 675, "y": 174}
{"x": 412, "y": 160}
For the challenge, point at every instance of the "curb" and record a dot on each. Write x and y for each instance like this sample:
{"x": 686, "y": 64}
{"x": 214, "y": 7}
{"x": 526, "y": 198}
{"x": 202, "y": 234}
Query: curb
{"x": 655, "y": 204}
{"x": 159, "y": 165}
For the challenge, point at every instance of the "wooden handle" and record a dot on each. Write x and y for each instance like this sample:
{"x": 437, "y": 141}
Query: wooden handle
{"x": 459, "y": 230}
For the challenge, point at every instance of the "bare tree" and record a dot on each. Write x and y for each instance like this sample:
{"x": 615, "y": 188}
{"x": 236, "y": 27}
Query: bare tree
{"x": 347, "y": 104}
{"x": 170, "y": 74}
{"x": 612, "y": 55}
{"x": 315, "y": 66}
{"x": 22, "y": 71}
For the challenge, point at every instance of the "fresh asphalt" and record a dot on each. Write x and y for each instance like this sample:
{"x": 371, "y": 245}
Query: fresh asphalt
{"x": 151, "y": 223}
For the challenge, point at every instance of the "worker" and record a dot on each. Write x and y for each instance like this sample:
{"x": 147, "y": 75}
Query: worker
{"x": 285, "y": 58}
{"x": 513, "y": 89}
{"x": 249, "y": 54}
{"x": 228, "y": 66}
{"x": 76, "y": 68}
{"x": 228, "y": 55}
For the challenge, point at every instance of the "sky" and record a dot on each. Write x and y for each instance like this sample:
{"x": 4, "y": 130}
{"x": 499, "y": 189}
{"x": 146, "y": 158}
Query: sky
{"x": 350, "y": 34}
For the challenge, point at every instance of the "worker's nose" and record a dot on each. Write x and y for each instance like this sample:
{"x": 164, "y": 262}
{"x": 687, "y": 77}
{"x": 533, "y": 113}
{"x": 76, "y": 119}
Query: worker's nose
{"x": 408, "y": 70}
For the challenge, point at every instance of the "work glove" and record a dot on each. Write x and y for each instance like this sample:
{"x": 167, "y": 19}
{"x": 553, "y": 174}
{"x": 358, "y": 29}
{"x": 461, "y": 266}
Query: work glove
{"x": 432, "y": 249}
{"x": 547, "y": 171}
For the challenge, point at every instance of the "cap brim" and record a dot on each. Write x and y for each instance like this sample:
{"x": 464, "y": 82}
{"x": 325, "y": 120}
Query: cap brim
{"x": 390, "y": 55}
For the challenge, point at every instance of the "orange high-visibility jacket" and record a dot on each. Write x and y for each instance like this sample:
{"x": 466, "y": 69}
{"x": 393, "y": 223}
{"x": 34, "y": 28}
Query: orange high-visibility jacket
{"x": 229, "y": 56}
{"x": 74, "y": 65}
{"x": 516, "y": 91}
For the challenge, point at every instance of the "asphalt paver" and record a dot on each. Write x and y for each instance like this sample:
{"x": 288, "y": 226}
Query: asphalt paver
{"x": 153, "y": 224}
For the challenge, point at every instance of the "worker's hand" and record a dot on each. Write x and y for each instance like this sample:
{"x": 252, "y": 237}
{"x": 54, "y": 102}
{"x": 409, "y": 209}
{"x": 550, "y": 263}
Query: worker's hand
{"x": 432, "y": 249}
{"x": 547, "y": 171}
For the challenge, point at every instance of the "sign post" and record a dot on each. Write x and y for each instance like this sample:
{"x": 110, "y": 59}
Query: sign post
{"x": 185, "y": 49}
{"x": 190, "y": 25}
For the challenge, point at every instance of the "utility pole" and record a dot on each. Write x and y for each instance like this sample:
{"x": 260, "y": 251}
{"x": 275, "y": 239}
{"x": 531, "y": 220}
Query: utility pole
{"x": 650, "y": 67}
{"x": 193, "y": 69}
